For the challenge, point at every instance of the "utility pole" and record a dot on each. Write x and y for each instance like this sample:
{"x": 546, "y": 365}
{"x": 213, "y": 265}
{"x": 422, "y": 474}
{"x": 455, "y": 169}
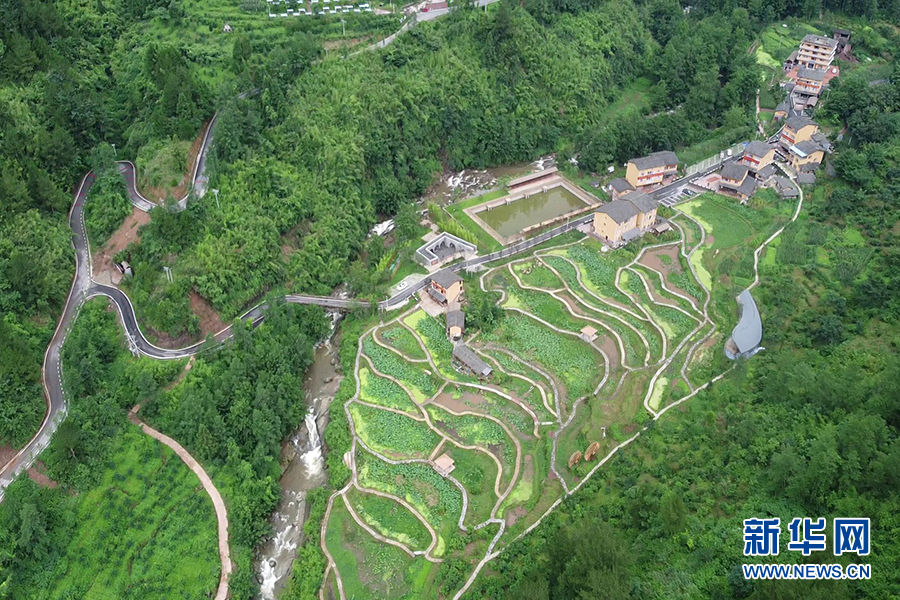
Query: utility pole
{"x": 343, "y": 28}
{"x": 216, "y": 192}
{"x": 116, "y": 154}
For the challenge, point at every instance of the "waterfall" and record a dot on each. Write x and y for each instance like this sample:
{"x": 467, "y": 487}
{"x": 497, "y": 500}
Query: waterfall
{"x": 312, "y": 458}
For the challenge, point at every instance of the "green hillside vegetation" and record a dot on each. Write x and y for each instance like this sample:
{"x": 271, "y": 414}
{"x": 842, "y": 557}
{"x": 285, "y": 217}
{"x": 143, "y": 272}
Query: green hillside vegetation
{"x": 128, "y": 518}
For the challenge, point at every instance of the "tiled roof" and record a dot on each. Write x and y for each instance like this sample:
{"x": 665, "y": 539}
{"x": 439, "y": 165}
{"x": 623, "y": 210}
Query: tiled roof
{"x": 735, "y": 171}
{"x": 799, "y": 122}
{"x": 445, "y": 278}
{"x": 619, "y": 210}
{"x": 643, "y": 202}
{"x": 467, "y": 356}
{"x": 757, "y": 149}
{"x": 655, "y": 160}
{"x": 620, "y": 184}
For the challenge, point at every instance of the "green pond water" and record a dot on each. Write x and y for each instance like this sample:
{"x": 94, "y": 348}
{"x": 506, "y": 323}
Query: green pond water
{"x": 512, "y": 218}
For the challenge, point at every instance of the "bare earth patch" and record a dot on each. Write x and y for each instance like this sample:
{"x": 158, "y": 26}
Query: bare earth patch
{"x": 447, "y": 400}
{"x": 39, "y": 477}
{"x": 652, "y": 259}
{"x": 126, "y": 234}
{"x": 210, "y": 321}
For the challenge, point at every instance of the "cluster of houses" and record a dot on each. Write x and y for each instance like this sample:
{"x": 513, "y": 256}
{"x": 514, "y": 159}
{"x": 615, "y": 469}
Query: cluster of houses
{"x": 800, "y": 146}
{"x": 632, "y": 211}
{"x": 810, "y": 68}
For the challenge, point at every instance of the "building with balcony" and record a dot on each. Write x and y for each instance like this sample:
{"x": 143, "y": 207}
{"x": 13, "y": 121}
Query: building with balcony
{"x": 758, "y": 155}
{"x": 654, "y": 169}
{"x": 809, "y": 81}
{"x": 797, "y": 129}
{"x": 808, "y": 154}
{"x": 816, "y": 52}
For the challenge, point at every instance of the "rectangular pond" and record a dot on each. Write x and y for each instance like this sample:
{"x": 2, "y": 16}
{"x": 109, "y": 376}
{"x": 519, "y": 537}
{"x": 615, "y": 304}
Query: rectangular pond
{"x": 510, "y": 219}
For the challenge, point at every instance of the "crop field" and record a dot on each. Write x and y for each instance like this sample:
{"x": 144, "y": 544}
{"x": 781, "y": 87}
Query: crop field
{"x": 574, "y": 362}
{"x": 146, "y": 503}
{"x": 384, "y": 392}
{"x": 391, "y": 519}
{"x": 420, "y": 383}
{"x": 405, "y": 342}
{"x": 478, "y": 473}
{"x": 393, "y": 433}
{"x": 481, "y": 461}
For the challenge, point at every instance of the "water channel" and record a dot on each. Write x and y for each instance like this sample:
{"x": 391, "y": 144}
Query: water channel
{"x": 303, "y": 470}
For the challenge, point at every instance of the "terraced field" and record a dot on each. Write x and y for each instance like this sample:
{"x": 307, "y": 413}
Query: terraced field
{"x": 592, "y": 347}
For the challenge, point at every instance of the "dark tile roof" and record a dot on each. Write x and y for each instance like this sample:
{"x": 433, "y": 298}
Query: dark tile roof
{"x": 735, "y": 171}
{"x": 445, "y": 278}
{"x": 620, "y": 184}
{"x": 766, "y": 172}
{"x": 757, "y": 149}
{"x": 786, "y": 187}
{"x": 456, "y": 318}
{"x": 439, "y": 297}
{"x": 467, "y": 357}
{"x": 806, "y": 178}
{"x": 619, "y": 210}
{"x": 643, "y": 202}
{"x": 746, "y": 188}
{"x": 655, "y": 160}
{"x": 806, "y": 147}
{"x": 799, "y": 122}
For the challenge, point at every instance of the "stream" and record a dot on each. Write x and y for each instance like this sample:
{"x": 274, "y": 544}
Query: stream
{"x": 466, "y": 183}
{"x": 303, "y": 469}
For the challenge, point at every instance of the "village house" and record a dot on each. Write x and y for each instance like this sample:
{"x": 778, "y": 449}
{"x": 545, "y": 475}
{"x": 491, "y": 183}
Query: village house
{"x": 654, "y": 169}
{"x": 816, "y": 52}
{"x": 806, "y": 155}
{"x": 842, "y": 37}
{"x": 785, "y": 187}
{"x": 781, "y": 111}
{"x": 466, "y": 359}
{"x": 618, "y": 187}
{"x": 736, "y": 181}
{"x": 809, "y": 81}
{"x": 588, "y": 333}
{"x": 797, "y": 129}
{"x": 445, "y": 287}
{"x": 456, "y": 322}
{"x": 758, "y": 155}
{"x": 625, "y": 219}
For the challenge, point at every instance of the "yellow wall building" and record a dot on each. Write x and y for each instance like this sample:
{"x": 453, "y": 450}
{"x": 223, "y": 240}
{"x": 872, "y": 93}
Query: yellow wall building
{"x": 651, "y": 170}
{"x": 623, "y": 220}
{"x": 797, "y": 129}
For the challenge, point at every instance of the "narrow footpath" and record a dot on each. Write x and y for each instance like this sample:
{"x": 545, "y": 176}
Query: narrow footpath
{"x": 214, "y": 495}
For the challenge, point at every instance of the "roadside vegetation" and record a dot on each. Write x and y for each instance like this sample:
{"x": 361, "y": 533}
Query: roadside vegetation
{"x": 120, "y": 514}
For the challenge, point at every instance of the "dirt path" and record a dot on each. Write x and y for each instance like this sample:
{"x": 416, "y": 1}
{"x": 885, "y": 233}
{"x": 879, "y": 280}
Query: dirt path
{"x": 218, "y": 503}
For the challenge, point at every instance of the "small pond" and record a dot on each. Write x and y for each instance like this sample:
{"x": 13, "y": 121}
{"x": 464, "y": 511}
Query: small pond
{"x": 510, "y": 219}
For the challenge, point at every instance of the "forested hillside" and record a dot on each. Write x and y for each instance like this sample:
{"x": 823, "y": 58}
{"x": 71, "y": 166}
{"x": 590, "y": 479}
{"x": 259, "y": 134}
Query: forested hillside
{"x": 310, "y": 149}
